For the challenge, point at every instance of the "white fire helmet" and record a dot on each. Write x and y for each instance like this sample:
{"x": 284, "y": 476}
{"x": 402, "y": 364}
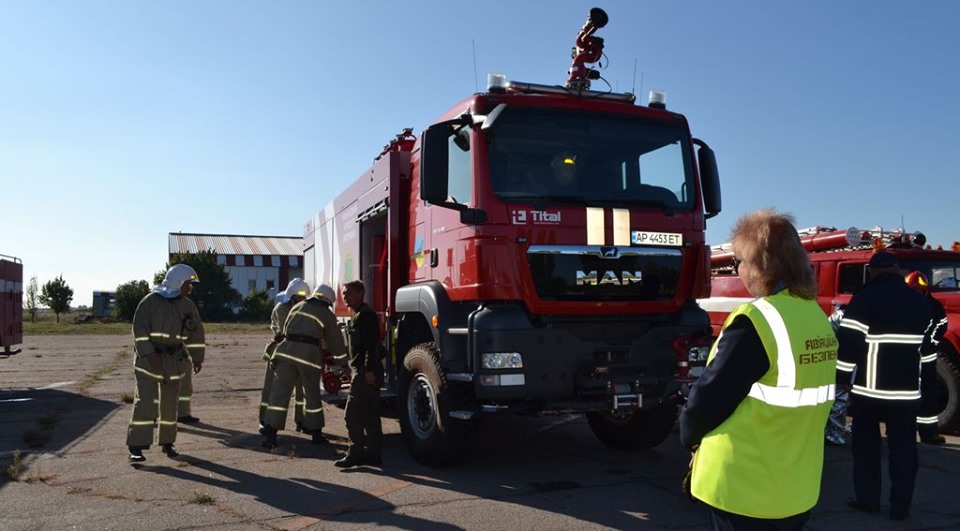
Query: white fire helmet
{"x": 296, "y": 288}
{"x": 325, "y": 293}
{"x": 174, "y": 279}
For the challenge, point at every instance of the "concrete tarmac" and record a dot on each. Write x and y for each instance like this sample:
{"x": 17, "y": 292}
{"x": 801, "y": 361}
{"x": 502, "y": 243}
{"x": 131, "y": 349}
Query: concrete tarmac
{"x": 63, "y": 421}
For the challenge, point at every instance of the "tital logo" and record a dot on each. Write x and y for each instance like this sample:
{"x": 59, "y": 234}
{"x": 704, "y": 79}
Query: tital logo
{"x": 537, "y": 217}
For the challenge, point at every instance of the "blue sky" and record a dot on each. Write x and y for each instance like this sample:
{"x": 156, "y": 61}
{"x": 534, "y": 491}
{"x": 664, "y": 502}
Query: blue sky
{"x": 123, "y": 121}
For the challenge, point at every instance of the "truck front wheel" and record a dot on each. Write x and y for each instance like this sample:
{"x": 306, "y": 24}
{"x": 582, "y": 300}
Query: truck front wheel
{"x": 432, "y": 437}
{"x": 637, "y": 430}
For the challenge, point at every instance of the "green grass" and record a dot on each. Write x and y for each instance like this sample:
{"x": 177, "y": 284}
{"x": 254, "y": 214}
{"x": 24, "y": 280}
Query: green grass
{"x": 46, "y": 325}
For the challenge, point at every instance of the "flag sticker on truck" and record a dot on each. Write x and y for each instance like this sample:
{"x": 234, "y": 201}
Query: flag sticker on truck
{"x": 666, "y": 239}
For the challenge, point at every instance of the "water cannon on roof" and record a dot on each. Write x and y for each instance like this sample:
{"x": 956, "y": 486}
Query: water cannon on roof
{"x": 588, "y": 49}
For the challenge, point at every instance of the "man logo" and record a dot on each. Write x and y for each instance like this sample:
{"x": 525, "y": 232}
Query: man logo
{"x": 591, "y": 278}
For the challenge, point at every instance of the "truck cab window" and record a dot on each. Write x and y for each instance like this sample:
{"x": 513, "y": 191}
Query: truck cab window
{"x": 458, "y": 169}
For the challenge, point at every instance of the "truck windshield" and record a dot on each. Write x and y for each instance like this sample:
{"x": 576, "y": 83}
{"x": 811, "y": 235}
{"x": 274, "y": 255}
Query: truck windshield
{"x": 567, "y": 156}
{"x": 943, "y": 275}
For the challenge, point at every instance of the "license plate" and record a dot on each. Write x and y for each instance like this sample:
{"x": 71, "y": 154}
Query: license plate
{"x": 668, "y": 239}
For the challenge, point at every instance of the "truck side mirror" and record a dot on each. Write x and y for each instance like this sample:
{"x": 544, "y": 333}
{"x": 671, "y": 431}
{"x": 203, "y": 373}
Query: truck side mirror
{"x": 434, "y": 161}
{"x": 709, "y": 179}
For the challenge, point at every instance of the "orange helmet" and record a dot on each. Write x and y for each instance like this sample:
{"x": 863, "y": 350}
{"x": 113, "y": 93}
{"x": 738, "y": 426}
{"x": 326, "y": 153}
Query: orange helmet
{"x": 917, "y": 281}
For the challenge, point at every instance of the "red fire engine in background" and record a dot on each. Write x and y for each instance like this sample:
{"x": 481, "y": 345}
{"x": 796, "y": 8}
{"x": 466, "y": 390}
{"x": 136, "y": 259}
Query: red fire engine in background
{"x": 11, "y": 304}
{"x": 538, "y": 249}
{"x": 839, "y": 259}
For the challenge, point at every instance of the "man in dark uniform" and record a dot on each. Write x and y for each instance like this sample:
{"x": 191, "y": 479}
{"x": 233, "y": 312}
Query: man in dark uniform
{"x": 880, "y": 338}
{"x": 363, "y": 403}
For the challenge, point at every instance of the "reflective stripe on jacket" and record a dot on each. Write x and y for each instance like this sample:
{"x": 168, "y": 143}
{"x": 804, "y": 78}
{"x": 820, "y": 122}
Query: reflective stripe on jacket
{"x": 765, "y": 460}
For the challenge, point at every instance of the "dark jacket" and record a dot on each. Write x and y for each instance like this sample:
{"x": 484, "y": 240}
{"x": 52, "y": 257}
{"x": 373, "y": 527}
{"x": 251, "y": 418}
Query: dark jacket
{"x": 365, "y": 348}
{"x": 880, "y": 338}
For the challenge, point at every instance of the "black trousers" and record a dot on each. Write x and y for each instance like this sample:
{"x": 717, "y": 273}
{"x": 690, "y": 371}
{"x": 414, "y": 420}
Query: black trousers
{"x": 724, "y": 521}
{"x": 901, "y": 421}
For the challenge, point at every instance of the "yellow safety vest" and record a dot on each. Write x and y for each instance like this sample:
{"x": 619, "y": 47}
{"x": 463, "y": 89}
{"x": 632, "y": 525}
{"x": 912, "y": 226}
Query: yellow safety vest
{"x": 765, "y": 460}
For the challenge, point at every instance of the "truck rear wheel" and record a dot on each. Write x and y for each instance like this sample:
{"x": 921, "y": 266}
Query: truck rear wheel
{"x": 637, "y": 430}
{"x": 948, "y": 392}
{"x": 426, "y": 399}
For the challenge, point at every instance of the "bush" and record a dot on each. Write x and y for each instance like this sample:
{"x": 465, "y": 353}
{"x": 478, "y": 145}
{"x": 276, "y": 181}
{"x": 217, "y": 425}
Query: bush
{"x": 129, "y": 296}
{"x": 256, "y": 307}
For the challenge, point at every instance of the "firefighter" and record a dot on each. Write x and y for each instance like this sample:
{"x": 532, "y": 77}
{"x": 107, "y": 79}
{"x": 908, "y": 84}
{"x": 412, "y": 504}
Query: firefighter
{"x": 297, "y": 290}
{"x": 299, "y": 357}
{"x": 880, "y": 336}
{"x": 927, "y": 419}
{"x": 755, "y": 416}
{"x": 167, "y": 332}
{"x": 362, "y": 414}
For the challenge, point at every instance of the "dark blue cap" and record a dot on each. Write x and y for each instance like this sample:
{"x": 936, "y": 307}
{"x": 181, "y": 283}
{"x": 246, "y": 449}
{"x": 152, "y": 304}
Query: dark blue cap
{"x": 883, "y": 259}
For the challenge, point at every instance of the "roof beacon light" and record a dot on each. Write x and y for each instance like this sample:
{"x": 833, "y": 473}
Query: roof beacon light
{"x": 658, "y": 99}
{"x": 496, "y": 82}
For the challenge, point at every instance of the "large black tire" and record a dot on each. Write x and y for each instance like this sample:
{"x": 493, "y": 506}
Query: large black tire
{"x": 948, "y": 393}
{"x": 426, "y": 399}
{"x": 638, "y": 430}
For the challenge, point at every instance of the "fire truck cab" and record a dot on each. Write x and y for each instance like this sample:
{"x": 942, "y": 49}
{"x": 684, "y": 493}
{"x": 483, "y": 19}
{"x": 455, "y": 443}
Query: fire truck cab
{"x": 839, "y": 259}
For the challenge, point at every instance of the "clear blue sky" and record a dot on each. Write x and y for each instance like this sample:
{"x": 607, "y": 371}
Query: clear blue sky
{"x": 123, "y": 121}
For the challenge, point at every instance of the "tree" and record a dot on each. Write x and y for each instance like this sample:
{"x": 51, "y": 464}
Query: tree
{"x": 56, "y": 295}
{"x": 214, "y": 294}
{"x": 256, "y": 307}
{"x": 128, "y": 297}
{"x": 30, "y": 302}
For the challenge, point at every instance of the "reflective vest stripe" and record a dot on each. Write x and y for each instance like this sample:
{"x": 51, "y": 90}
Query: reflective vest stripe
{"x": 927, "y": 420}
{"x": 785, "y": 394}
{"x": 854, "y": 325}
{"x": 845, "y": 367}
{"x": 886, "y": 395}
{"x": 928, "y": 358}
{"x": 196, "y": 345}
{"x": 141, "y": 423}
{"x": 872, "y": 365}
{"x": 298, "y": 360}
{"x": 148, "y": 373}
{"x": 159, "y": 334}
{"x": 276, "y": 408}
{"x": 786, "y": 369}
{"x": 895, "y": 338}
{"x": 318, "y": 410}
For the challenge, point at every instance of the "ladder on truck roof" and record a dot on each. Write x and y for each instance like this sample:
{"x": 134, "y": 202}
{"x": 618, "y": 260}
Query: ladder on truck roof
{"x": 826, "y": 239}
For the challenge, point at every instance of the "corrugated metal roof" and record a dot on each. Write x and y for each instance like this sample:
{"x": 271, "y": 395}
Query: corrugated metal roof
{"x": 235, "y": 244}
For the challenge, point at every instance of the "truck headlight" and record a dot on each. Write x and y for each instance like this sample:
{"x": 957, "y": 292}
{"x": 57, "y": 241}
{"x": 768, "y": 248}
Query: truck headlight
{"x": 501, "y": 360}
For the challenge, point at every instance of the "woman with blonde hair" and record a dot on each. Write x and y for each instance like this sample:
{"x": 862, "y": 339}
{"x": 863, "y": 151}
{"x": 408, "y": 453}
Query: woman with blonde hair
{"x": 755, "y": 417}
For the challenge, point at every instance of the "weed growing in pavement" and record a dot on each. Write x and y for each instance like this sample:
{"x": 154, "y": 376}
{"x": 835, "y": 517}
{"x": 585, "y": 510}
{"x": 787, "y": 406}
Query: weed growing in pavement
{"x": 126, "y": 398}
{"x": 202, "y": 499}
{"x": 78, "y": 490}
{"x": 16, "y": 466}
{"x": 40, "y": 478}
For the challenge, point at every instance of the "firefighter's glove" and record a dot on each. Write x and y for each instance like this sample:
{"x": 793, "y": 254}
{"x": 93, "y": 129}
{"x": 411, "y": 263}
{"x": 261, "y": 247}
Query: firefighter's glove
{"x": 688, "y": 477}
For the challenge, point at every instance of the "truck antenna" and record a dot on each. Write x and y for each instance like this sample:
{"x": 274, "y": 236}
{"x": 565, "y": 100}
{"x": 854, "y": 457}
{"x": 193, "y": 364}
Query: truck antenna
{"x": 634, "y": 87}
{"x": 476, "y": 83}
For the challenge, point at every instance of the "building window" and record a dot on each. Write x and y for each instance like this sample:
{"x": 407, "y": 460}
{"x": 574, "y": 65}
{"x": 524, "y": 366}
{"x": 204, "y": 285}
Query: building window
{"x": 275, "y": 261}
{"x": 258, "y": 261}
{"x": 238, "y": 260}
{"x": 251, "y": 285}
{"x": 269, "y": 285}
{"x": 222, "y": 260}
{"x": 294, "y": 261}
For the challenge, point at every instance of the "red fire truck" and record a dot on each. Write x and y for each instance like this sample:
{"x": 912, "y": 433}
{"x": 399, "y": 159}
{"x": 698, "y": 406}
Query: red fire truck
{"x": 538, "y": 249}
{"x": 11, "y": 304}
{"x": 839, "y": 259}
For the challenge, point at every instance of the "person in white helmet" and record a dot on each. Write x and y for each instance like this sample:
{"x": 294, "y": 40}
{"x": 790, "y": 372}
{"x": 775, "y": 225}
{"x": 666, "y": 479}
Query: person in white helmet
{"x": 297, "y": 290}
{"x": 167, "y": 333}
{"x": 299, "y": 357}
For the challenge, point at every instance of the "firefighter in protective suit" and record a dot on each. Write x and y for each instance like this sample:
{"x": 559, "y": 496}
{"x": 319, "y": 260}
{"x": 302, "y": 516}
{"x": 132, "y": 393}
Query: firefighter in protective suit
{"x": 167, "y": 333}
{"x": 297, "y": 290}
{"x": 927, "y": 418}
{"x": 299, "y": 357}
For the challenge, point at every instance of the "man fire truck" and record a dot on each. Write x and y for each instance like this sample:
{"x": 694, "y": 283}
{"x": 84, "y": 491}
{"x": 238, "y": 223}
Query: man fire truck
{"x": 839, "y": 259}
{"x": 537, "y": 250}
{"x": 11, "y": 304}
